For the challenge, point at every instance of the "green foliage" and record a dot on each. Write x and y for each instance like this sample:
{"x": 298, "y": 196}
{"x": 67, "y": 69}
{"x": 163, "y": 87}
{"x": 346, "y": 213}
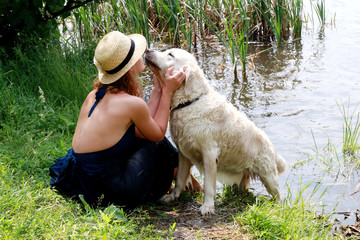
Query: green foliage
{"x": 274, "y": 14}
{"x": 231, "y": 196}
{"x": 156, "y": 20}
{"x": 23, "y": 19}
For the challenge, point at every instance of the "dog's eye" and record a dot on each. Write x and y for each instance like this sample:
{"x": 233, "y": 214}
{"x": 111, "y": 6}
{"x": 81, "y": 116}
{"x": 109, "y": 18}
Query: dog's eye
{"x": 171, "y": 55}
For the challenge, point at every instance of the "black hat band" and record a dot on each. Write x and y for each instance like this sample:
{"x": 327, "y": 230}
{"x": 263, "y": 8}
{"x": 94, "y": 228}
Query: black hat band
{"x": 126, "y": 60}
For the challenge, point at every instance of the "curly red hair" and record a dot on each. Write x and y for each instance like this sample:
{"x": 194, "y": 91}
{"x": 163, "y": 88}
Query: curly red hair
{"x": 125, "y": 83}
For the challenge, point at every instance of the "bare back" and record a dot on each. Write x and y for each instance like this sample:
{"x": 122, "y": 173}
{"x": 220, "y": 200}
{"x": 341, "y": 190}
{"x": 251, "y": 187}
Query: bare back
{"x": 107, "y": 124}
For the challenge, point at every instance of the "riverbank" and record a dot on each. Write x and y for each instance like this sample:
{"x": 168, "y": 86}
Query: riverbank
{"x": 37, "y": 121}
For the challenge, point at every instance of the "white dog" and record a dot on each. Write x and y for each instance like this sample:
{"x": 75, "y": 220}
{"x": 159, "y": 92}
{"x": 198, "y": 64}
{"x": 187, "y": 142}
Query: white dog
{"x": 213, "y": 135}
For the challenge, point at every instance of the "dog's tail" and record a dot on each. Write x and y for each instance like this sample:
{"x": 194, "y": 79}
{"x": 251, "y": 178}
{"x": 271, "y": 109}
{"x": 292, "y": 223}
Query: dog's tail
{"x": 281, "y": 164}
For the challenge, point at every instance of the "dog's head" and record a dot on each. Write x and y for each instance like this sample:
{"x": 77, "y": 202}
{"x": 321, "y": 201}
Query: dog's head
{"x": 160, "y": 62}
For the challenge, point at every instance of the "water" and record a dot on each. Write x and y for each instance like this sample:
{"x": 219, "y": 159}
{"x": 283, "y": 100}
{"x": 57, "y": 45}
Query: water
{"x": 292, "y": 93}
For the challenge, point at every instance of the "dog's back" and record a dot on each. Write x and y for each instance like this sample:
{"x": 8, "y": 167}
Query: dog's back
{"x": 212, "y": 121}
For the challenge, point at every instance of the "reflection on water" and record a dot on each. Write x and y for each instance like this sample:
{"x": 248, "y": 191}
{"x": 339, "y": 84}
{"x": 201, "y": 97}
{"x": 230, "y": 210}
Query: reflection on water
{"x": 291, "y": 92}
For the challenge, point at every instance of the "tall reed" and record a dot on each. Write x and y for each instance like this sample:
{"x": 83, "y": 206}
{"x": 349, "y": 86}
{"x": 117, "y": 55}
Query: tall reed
{"x": 183, "y": 23}
{"x": 172, "y": 21}
{"x": 237, "y": 30}
{"x": 274, "y": 12}
{"x": 295, "y": 14}
{"x": 320, "y": 11}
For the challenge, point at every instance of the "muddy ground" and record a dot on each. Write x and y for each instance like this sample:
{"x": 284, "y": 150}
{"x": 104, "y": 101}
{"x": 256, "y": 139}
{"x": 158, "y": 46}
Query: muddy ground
{"x": 190, "y": 224}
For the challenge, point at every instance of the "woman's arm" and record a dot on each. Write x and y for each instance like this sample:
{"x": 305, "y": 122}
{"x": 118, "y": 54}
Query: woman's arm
{"x": 153, "y": 102}
{"x": 154, "y": 128}
{"x": 155, "y": 97}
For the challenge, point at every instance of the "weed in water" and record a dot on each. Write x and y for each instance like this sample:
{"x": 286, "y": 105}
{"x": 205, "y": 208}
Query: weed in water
{"x": 320, "y": 11}
{"x": 351, "y": 128}
{"x": 295, "y": 14}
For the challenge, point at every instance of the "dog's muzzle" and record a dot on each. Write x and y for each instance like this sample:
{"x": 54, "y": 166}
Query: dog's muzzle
{"x": 149, "y": 59}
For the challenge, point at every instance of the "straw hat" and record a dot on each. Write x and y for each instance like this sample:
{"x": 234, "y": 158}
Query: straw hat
{"x": 116, "y": 53}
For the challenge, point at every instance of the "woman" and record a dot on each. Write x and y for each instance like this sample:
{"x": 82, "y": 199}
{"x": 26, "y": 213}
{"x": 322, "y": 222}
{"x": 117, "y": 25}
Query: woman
{"x": 119, "y": 154}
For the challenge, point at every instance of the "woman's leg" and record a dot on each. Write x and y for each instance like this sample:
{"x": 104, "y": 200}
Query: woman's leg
{"x": 132, "y": 179}
{"x": 166, "y": 162}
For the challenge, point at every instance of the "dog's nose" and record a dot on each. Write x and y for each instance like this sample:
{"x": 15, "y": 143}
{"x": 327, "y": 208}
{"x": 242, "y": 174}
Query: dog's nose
{"x": 149, "y": 50}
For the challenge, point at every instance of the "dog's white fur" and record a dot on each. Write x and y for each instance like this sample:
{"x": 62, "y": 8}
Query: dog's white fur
{"x": 213, "y": 135}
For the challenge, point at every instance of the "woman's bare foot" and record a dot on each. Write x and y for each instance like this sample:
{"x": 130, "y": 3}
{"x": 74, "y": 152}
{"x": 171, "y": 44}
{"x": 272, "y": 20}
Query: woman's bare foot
{"x": 191, "y": 186}
{"x": 194, "y": 185}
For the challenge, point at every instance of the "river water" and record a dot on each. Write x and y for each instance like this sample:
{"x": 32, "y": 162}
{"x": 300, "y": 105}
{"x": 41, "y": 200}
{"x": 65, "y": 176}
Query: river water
{"x": 293, "y": 93}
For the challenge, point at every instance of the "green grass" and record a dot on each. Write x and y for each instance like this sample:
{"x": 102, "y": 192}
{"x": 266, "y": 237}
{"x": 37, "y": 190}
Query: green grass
{"x": 292, "y": 218}
{"x": 268, "y": 220}
{"x": 64, "y": 74}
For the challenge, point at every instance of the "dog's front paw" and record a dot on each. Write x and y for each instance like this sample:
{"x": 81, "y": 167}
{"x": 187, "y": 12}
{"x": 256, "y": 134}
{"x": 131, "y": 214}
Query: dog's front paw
{"x": 207, "y": 210}
{"x": 168, "y": 198}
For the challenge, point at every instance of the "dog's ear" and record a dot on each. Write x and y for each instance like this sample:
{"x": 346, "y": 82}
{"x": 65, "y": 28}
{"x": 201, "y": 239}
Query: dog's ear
{"x": 191, "y": 79}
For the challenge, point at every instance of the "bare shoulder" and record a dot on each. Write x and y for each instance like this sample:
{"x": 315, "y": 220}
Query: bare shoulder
{"x": 90, "y": 97}
{"x": 91, "y": 94}
{"x": 127, "y": 102}
{"x": 127, "y": 99}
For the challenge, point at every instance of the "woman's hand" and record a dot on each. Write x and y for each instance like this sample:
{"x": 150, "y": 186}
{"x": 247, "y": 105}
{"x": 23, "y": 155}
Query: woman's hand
{"x": 173, "y": 82}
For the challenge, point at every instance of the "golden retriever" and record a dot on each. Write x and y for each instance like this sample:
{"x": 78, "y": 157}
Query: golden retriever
{"x": 213, "y": 135}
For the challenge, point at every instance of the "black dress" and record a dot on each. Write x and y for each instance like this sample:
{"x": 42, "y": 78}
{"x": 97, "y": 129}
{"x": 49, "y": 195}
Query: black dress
{"x": 127, "y": 174}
